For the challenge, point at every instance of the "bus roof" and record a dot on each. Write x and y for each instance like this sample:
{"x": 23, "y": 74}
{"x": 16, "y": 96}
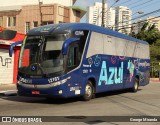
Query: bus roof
{"x": 53, "y": 28}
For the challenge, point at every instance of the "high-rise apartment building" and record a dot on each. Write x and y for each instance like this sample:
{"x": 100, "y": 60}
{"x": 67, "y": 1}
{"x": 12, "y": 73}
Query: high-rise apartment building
{"x": 94, "y": 14}
{"x": 155, "y": 21}
{"x": 111, "y": 18}
{"x": 123, "y": 19}
{"x": 151, "y": 20}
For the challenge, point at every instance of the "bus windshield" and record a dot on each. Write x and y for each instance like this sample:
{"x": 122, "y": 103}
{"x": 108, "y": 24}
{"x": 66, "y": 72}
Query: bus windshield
{"x": 41, "y": 55}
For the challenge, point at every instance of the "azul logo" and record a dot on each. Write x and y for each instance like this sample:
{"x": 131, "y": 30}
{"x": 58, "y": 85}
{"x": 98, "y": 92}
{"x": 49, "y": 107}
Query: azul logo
{"x": 115, "y": 74}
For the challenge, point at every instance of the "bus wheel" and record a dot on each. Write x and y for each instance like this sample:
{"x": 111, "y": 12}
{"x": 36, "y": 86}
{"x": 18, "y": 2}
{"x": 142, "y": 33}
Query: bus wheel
{"x": 88, "y": 91}
{"x": 135, "y": 87}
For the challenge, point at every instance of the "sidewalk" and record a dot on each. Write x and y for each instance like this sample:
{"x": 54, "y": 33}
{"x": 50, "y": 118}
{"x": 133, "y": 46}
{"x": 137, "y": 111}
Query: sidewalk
{"x": 4, "y": 87}
{"x": 155, "y": 80}
{"x": 8, "y": 89}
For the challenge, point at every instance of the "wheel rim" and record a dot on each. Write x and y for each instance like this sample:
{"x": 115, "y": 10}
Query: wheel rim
{"x": 88, "y": 90}
{"x": 136, "y": 85}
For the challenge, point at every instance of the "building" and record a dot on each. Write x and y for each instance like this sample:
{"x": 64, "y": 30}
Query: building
{"x": 151, "y": 20}
{"x": 9, "y": 65}
{"x": 136, "y": 26}
{"x": 94, "y": 14}
{"x": 111, "y": 14}
{"x": 155, "y": 21}
{"x": 123, "y": 19}
{"x": 26, "y": 17}
{"x": 31, "y": 2}
{"x": 23, "y": 16}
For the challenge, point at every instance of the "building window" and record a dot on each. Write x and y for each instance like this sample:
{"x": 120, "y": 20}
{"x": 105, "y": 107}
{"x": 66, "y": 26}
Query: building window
{"x": 78, "y": 13}
{"x": 11, "y": 21}
{"x": 14, "y": 21}
{"x": 47, "y": 22}
{"x": 1, "y": 21}
{"x": 61, "y": 22}
{"x": 27, "y": 26}
{"x": 35, "y": 24}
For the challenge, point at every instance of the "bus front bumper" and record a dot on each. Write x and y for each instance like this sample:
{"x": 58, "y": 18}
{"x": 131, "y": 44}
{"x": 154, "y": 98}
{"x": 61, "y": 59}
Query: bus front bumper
{"x": 40, "y": 91}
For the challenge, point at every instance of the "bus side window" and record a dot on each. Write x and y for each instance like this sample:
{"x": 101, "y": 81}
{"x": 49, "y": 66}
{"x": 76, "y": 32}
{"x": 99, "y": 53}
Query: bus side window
{"x": 73, "y": 59}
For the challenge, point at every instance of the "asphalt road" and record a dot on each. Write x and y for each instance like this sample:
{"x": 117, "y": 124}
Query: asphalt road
{"x": 146, "y": 102}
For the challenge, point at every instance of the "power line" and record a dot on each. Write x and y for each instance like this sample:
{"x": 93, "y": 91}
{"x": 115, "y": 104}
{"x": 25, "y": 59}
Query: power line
{"x": 141, "y": 4}
{"x": 127, "y": 20}
{"x": 98, "y": 17}
{"x": 107, "y": 9}
{"x": 132, "y": 3}
{"x": 114, "y": 3}
{"x": 149, "y": 4}
{"x": 156, "y": 11}
{"x": 139, "y": 22}
{"x": 124, "y": 2}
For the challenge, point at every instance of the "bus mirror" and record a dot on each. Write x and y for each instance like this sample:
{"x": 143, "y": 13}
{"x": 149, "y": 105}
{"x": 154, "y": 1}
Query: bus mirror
{"x": 12, "y": 47}
{"x": 66, "y": 44}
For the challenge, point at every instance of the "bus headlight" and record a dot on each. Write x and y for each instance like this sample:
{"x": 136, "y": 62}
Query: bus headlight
{"x": 57, "y": 83}
{"x": 60, "y": 82}
{"x": 19, "y": 82}
{"x": 60, "y": 91}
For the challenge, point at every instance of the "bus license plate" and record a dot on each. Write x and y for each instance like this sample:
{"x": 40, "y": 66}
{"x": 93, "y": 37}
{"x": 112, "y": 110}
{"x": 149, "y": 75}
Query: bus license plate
{"x": 35, "y": 92}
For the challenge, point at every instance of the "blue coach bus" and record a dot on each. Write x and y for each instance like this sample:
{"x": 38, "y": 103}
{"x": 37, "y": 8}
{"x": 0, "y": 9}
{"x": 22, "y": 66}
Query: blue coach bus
{"x": 78, "y": 59}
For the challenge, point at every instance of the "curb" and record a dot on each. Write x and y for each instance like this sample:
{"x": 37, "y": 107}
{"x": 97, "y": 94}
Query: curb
{"x": 8, "y": 93}
{"x": 157, "y": 81}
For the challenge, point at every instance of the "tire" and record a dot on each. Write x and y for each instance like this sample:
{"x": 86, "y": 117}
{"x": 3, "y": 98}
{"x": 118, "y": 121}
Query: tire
{"x": 89, "y": 91}
{"x": 136, "y": 85}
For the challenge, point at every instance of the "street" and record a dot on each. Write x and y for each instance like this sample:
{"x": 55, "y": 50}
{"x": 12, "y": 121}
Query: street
{"x": 146, "y": 102}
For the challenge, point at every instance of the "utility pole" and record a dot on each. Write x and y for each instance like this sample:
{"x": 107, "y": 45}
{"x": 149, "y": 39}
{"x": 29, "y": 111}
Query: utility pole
{"x": 103, "y": 12}
{"x": 40, "y": 3}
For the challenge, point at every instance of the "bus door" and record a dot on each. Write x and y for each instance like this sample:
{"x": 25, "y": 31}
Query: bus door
{"x": 73, "y": 61}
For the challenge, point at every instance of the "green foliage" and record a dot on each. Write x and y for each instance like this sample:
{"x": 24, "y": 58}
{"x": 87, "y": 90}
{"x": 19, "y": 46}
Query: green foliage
{"x": 154, "y": 52}
{"x": 145, "y": 26}
{"x": 157, "y": 43}
{"x": 148, "y": 33}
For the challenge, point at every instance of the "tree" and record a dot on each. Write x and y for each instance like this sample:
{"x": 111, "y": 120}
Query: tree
{"x": 148, "y": 33}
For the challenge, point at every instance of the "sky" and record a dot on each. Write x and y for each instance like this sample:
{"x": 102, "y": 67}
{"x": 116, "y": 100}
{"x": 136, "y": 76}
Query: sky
{"x": 145, "y": 6}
